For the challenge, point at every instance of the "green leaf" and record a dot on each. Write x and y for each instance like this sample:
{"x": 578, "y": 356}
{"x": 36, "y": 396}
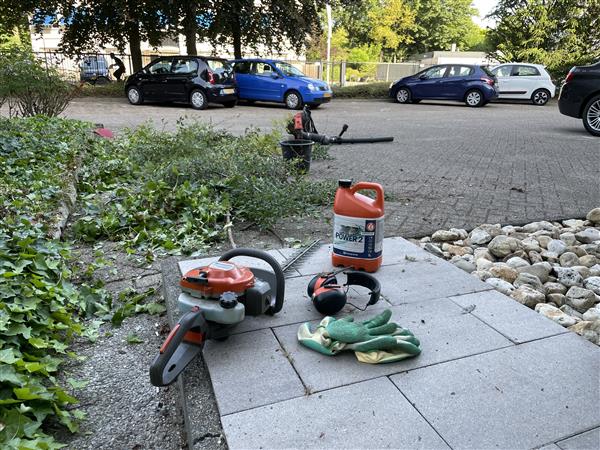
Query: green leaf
{"x": 8, "y": 374}
{"x": 77, "y": 384}
{"x": 132, "y": 339}
{"x": 9, "y": 355}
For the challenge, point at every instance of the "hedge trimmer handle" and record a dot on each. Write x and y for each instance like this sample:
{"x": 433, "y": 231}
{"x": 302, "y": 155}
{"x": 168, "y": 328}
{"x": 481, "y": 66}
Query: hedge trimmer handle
{"x": 183, "y": 343}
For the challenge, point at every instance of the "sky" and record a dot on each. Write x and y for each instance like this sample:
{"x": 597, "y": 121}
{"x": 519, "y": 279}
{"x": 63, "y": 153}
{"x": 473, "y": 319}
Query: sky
{"x": 484, "y": 7}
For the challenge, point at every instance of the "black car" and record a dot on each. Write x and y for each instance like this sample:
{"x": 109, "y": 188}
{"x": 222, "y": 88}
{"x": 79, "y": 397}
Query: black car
{"x": 191, "y": 79}
{"x": 580, "y": 96}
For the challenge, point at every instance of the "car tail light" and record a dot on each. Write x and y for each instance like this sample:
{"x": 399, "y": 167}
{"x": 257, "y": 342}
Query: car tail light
{"x": 488, "y": 81}
{"x": 211, "y": 77}
{"x": 569, "y": 76}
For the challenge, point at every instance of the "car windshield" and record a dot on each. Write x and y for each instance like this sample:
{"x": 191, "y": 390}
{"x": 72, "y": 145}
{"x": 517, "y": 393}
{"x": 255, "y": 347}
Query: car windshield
{"x": 289, "y": 70}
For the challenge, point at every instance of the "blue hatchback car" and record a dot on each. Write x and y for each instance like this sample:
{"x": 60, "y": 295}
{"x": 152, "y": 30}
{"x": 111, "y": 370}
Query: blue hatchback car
{"x": 474, "y": 85}
{"x": 270, "y": 80}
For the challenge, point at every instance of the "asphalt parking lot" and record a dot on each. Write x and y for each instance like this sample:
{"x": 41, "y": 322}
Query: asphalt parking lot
{"x": 449, "y": 165}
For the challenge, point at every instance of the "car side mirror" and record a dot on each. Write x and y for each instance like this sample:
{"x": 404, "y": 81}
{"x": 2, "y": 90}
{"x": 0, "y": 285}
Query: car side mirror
{"x": 274, "y": 75}
{"x": 423, "y": 77}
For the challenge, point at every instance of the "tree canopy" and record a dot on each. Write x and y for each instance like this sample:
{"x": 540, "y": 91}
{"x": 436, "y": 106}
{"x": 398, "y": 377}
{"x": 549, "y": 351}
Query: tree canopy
{"x": 556, "y": 33}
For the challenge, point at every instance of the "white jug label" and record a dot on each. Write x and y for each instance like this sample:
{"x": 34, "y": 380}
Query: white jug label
{"x": 357, "y": 237}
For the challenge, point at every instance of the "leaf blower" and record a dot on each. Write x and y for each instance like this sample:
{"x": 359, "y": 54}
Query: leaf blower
{"x": 302, "y": 126}
{"x": 214, "y": 299}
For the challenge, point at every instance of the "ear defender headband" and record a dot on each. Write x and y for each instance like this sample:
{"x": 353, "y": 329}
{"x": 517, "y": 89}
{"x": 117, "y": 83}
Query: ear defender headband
{"x": 329, "y": 297}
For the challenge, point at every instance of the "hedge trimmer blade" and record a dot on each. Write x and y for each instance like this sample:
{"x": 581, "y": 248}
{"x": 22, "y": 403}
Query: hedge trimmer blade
{"x": 300, "y": 255}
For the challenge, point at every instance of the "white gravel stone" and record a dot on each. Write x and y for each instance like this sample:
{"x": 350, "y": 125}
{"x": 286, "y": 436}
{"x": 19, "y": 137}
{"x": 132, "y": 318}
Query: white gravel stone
{"x": 593, "y": 284}
{"x": 482, "y": 274}
{"x": 592, "y": 313}
{"x": 540, "y": 270}
{"x": 568, "y": 238}
{"x": 595, "y": 270}
{"x": 588, "y": 235}
{"x": 594, "y": 216}
{"x": 568, "y": 259}
{"x": 479, "y": 236}
{"x": 555, "y": 315}
{"x": 557, "y": 246}
{"x": 500, "y": 285}
{"x": 464, "y": 265}
{"x": 583, "y": 271}
{"x": 433, "y": 249}
{"x": 515, "y": 262}
{"x": 528, "y": 296}
{"x": 589, "y": 330}
{"x": 529, "y": 280}
{"x": 580, "y": 299}
{"x": 573, "y": 223}
{"x": 502, "y": 246}
{"x": 483, "y": 264}
{"x": 568, "y": 276}
{"x": 555, "y": 288}
{"x": 557, "y": 299}
{"x": 462, "y": 234}
{"x": 543, "y": 240}
{"x": 503, "y": 271}
{"x": 531, "y": 245}
{"x": 588, "y": 260}
{"x": 444, "y": 236}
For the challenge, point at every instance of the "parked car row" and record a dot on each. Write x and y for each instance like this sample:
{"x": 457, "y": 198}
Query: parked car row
{"x": 200, "y": 80}
{"x": 476, "y": 85}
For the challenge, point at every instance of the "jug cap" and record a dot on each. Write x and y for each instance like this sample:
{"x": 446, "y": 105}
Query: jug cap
{"x": 344, "y": 183}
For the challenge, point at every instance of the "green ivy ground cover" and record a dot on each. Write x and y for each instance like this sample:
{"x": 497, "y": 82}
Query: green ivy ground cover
{"x": 151, "y": 192}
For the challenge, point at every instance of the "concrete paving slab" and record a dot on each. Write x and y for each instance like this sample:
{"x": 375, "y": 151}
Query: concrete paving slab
{"x": 396, "y": 250}
{"x": 444, "y": 331}
{"x": 507, "y": 316}
{"x": 370, "y": 415}
{"x": 518, "y": 397}
{"x": 250, "y": 370}
{"x": 424, "y": 280}
{"x": 549, "y": 447}
{"x": 590, "y": 440}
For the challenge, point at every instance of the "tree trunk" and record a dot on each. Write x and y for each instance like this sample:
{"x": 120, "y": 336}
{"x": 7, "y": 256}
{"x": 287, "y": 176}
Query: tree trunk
{"x": 135, "y": 46}
{"x": 236, "y": 33}
{"x": 190, "y": 27}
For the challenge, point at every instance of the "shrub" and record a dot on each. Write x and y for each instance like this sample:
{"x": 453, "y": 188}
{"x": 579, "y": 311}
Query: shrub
{"x": 365, "y": 90}
{"x": 29, "y": 88}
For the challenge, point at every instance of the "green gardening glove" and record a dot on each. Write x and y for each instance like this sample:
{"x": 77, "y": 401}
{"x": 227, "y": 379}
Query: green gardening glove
{"x": 374, "y": 341}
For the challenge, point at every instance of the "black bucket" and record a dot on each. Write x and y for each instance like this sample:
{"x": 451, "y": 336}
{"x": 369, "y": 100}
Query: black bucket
{"x": 300, "y": 149}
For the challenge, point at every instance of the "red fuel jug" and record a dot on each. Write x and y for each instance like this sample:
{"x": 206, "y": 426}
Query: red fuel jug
{"x": 358, "y": 226}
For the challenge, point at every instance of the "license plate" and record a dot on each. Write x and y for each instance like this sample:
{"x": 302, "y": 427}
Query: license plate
{"x": 327, "y": 95}
{"x": 228, "y": 91}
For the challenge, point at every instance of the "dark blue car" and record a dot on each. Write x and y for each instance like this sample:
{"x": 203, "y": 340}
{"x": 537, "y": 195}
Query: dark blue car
{"x": 474, "y": 85}
{"x": 270, "y": 80}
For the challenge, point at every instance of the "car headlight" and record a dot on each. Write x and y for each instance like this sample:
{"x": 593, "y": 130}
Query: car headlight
{"x": 391, "y": 84}
{"x": 310, "y": 86}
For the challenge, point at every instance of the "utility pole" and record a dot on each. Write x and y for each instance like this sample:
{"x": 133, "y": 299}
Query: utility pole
{"x": 329, "y": 27}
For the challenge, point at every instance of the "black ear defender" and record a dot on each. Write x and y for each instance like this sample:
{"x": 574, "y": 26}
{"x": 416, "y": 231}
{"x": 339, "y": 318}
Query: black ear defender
{"x": 329, "y": 297}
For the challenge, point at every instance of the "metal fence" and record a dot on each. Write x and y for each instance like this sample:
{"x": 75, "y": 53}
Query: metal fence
{"x": 99, "y": 66}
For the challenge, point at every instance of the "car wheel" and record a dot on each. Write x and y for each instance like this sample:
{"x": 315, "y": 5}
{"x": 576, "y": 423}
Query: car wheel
{"x": 402, "y": 95}
{"x": 293, "y": 100}
{"x": 540, "y": 97}
{"x": 134, "y": 96}
{"x": 474, "y": 98}
{"x": 230, "y": 104}
{"x": 198, "y": 99}
{"x": 591, "y": 116}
